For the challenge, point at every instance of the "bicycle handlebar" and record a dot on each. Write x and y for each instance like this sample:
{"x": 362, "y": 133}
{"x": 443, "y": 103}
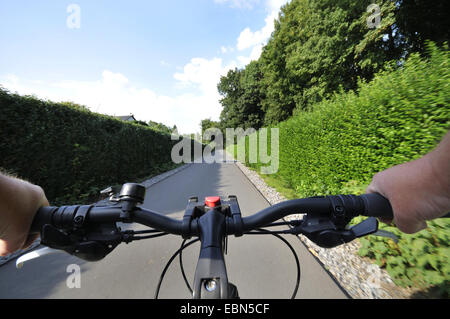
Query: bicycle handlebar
{"x": 372, "y": 205}
{"x": 90, "y": 232}
{"x": 65, "y": 217}
{"x": 375, "y": 205}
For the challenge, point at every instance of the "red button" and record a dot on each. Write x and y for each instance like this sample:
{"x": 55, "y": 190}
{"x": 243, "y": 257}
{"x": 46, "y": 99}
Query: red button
{"x": 212, "y": 201}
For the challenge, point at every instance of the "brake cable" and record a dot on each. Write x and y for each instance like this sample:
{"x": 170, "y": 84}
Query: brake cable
{"x": 182, "y": 270}
{"x": 129, "y": 235}
{"x": 169, "y": 262}
{"x": 149, "y": 236}
{"x": 262, "y": 231}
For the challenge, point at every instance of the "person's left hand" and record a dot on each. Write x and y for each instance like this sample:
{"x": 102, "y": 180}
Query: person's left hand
{"x": 19, "y": 202}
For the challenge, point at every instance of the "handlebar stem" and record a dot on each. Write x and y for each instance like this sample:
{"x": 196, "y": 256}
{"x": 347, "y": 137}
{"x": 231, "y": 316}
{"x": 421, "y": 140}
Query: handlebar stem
{"x": 211, "y": 264}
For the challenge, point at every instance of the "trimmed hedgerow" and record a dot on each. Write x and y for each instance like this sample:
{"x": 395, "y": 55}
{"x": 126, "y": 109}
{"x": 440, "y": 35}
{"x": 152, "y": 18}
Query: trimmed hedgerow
{"x": 70, "y": 151}
{"x": 338, "y": 146}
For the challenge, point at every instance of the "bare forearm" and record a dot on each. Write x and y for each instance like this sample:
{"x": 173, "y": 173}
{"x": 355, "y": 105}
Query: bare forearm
{"x": 418, "y": 190}
{"x": 440, "y": 163}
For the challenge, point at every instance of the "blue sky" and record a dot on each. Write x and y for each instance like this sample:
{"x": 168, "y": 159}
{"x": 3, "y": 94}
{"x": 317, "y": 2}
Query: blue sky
{"x": 160, "y": 60}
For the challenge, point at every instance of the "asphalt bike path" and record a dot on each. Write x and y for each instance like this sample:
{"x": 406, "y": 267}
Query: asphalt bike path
{"x": 261, "y": 266}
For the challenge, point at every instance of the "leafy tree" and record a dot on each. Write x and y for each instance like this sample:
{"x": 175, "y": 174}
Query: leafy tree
{"x": 208, "y": 123}
{"x": 320, "y": 47}
{"x": 141, "y": 123}
{"x": 160, "y": 127}
{"x": 419, "y": 20}
{"x": 252, "y": 96}
{"x": 242, "y": 97}
{"x": 229, "y": 87}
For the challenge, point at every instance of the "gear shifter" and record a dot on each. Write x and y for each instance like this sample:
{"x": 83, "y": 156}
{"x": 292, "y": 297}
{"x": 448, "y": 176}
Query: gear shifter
{"x": 325, "y": 234}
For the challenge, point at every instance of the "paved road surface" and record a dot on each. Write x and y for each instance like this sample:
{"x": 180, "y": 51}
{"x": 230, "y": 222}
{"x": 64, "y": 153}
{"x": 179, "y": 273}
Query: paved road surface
{"x": 261, "y": 266}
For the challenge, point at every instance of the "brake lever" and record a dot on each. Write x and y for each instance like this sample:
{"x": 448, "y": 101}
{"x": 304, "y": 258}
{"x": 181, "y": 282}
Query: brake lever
{"x": 111, "y": 193}
{"x": 34, "y": 254}
{"x": 387, "y": 234}
{"x": 91, "y": 246}
{"x": 366, "y": 227}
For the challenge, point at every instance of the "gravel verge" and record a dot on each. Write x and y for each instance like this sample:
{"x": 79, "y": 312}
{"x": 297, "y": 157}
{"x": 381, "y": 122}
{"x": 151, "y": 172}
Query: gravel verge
{"x": 358, "y": 276}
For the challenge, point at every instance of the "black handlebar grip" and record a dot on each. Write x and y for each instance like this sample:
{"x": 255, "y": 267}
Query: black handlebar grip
{"x": 376, "y": 205}
{"x": 43, "y": 216}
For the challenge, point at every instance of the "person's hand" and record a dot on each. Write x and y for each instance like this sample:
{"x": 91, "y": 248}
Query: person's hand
{"x": 418, "y": 191}
{"x": 19, "y": 201}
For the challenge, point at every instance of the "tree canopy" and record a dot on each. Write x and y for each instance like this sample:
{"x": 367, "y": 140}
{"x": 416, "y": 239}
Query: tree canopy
{"x": 320, "y": 47}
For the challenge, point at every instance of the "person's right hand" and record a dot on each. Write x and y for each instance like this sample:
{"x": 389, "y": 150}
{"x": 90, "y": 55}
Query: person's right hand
{"x": 417, "y": 192}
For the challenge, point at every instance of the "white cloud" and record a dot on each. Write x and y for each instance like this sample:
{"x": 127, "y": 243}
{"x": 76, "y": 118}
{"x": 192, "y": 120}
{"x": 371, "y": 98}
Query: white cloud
{"x": 201, "y": 73}
{"x": 115, "y": 94}
{"x": 275, "y": 5}
{"x": 255, "y": 40}
{"x": 254, "y": 55}
{"x": 241, "y": 4}
{"x": 248, "y": 39}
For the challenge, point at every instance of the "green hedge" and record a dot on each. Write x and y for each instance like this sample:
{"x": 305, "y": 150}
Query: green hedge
{"x": 338, "y": 147}
{"x": 70, "y": 151}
